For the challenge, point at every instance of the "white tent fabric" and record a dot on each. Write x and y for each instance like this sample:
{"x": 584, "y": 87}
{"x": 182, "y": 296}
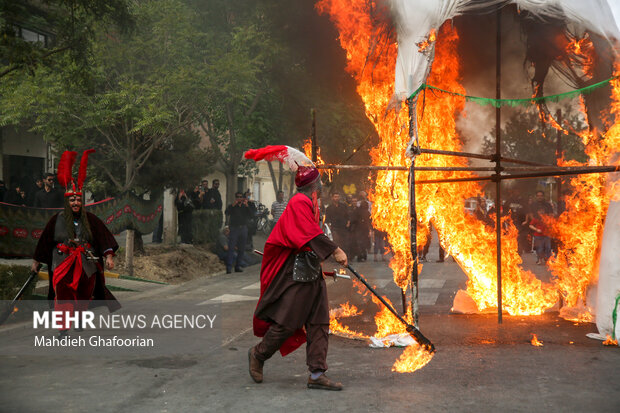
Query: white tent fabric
{"x": 609, "y": 275}
{"x": 414, "y": 20}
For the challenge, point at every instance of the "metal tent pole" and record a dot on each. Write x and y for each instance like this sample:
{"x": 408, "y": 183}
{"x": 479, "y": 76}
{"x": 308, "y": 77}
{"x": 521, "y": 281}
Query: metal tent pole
{"x": 413, "y": 231}
{"x": 498, "y": 167}
{"x": 313, "y": 136}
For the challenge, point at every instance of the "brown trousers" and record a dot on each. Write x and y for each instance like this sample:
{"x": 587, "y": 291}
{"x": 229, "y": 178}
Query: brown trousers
{"x": 316, "y": 344}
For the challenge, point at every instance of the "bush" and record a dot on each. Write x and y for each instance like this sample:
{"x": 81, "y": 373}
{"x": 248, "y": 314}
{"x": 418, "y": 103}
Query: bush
{"x": 12, "y": 278}
{"x": 206, "y": 225}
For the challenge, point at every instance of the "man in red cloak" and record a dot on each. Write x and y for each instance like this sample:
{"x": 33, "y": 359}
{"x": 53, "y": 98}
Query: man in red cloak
{"x": 291, "y": 312}
{"x": 74, "y": 245}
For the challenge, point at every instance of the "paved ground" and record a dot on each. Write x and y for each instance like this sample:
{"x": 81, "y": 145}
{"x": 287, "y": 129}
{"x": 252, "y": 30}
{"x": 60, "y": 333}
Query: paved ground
{"x": 479, "y": 366}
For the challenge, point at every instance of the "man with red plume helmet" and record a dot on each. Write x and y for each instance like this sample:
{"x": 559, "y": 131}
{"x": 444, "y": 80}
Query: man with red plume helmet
{"x": 74, "y": 245}
{"x": 293, "y": 306}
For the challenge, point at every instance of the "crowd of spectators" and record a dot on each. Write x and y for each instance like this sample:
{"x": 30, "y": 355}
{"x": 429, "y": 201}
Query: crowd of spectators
{"x": 349, "y": 222}
{"x": 532, "y": 218}
{"x": 39, "y": 193}
{"x": 348, "y": 218}
{"x": 188, "y": 200}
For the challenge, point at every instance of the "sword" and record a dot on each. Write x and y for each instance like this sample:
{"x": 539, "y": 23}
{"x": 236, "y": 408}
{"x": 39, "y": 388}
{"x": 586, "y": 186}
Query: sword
{"x": 9, "y": 310}
{"x": 412, "y": 330}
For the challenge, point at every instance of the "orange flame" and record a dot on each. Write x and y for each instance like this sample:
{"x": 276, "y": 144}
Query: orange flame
{"x": 345, "y": 310}
{"x": 371, "y": 55}
{"x": 413, "y": 358}
{"x": 579, "y": 229}
{"x": 307, "y": 148}
{"x": 610, "y": 342}
{"x": 359, "y": 34}
{"x": 580, "y": 52}
{"x": 441, "y": 205}
{"x": 535, "y": 341}
{"x": 430, "y": 39}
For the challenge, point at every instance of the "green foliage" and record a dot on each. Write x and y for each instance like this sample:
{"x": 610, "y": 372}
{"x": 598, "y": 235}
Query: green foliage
{"x": 12, "y": 278}
{"x": 66, "y": 27}
{"x": 206, "y": 225}
{"x": 134, "y": 106}
{"x": 241, "y": 73}
{"x": 523, "y": 137}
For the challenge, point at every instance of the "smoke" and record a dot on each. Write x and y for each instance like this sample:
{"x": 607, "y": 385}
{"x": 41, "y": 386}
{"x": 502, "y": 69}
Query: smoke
{"x": 477, "y": 52}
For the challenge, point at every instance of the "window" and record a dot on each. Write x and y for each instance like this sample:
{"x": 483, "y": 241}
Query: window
{"x": 32, "y": 36}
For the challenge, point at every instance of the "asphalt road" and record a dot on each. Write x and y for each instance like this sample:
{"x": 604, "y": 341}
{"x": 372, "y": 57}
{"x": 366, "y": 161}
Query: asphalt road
{"x": 479, "y": 366}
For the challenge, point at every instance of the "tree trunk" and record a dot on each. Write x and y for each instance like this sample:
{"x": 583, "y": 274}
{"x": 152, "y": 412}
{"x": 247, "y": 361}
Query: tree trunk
{"x": 231, "y": 180}
{"x": 129, "y": 243}
{"x": 291, "y": 187}
{"x": 138, "y": 243}
{"x": 281, "y": 171}
{"x": 276, "y": 188}
{"x": 170, "y": 218}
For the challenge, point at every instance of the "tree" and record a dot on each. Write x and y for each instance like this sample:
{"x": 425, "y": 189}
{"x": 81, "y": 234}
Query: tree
{"x": 274, "y": 73}
{"x": 39, "y": 33}
{"x": 524, "y": 137}
{"x": 310, "y": 74}
{"x": 136, "y": 100}
{"x": 237, "y": 102}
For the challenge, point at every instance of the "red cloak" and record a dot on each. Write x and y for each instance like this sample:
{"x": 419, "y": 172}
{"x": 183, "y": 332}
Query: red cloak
{"x": 295, "y": 228}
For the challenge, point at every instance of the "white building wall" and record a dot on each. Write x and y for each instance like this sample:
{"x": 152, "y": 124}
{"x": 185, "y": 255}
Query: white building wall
{"x": 263, "y": 181}
{"x": 222, "y": 178}
{"x": 260, "y": 184}
{"x": 23, "y": 143}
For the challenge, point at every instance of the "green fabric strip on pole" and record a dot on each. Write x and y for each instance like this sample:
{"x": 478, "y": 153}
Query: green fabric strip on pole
{"x": 614, "y": 316}
{"x": 516, "y": 102}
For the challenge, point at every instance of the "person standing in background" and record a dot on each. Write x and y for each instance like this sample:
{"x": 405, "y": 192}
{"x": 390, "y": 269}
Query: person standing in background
{"x": 360, "y": 227}
{"x": 238, "y": 215}
{"x": 213, "y": 198}
{"x": 48, "y": 196}
{"x": 278, "y": 206}
{"x": 35, "y": 187}
{"x": 185, "y": 207}
{"x": 337, "y": 216}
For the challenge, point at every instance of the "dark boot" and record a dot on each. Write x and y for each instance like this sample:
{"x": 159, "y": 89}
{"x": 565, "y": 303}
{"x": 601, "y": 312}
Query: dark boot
{"x": 256, "y": 366}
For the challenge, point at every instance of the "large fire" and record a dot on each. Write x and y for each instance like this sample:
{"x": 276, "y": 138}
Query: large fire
{"x": 371, "y": 52}
{"x": 579, "y": 229}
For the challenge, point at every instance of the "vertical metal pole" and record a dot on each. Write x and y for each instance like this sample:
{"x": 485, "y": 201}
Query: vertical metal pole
{"x": 413, "y": 232}
{"x": 313, "y": 135}
{"x": 558, "y": 155}
{"x": 498, "y": 168}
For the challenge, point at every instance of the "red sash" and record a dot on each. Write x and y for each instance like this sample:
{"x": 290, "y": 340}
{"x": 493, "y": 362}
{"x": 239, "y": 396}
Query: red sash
{"x": 74, "y": 258}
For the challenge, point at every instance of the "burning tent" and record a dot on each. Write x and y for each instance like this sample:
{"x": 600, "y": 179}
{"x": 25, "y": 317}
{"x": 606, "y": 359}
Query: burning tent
{"x": 399, "y": 49}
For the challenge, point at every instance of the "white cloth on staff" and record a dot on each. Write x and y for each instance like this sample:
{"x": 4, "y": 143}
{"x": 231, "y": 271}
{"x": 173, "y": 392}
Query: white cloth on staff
{"x": 393, "y": 340}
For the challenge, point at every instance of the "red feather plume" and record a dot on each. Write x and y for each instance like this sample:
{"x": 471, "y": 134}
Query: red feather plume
{"x": 65, "y": 166}
{"x": 268, "y": 153}
{"x": 83, "y": 166}
{"x": 282, "y": 153}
